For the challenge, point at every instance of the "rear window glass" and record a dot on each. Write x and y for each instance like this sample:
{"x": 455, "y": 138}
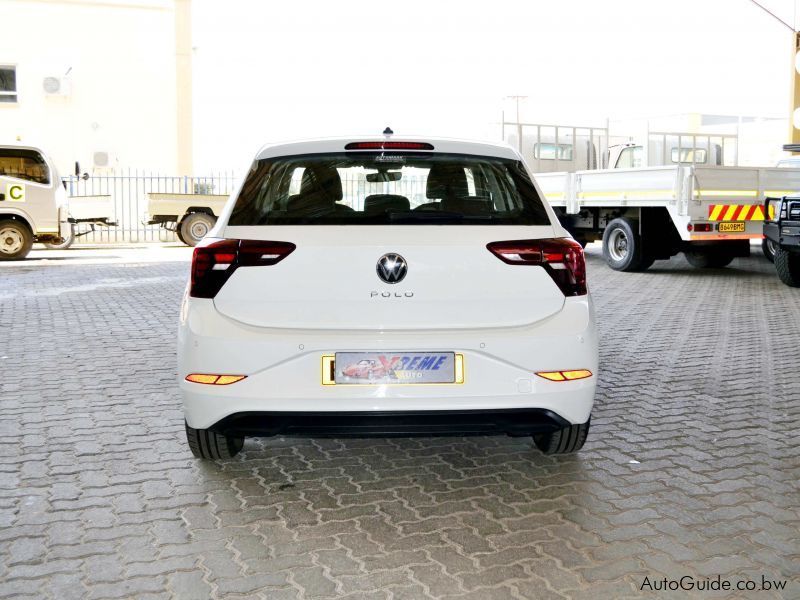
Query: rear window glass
{"x": 24, "y": 164}
{"x": 354, "y": 188}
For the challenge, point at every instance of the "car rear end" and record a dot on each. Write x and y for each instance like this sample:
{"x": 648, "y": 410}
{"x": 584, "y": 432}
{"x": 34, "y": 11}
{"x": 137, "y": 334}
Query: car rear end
{"x": 384, "y": 286}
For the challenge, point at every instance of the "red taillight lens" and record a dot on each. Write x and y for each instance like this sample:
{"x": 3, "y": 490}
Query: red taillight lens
{"x": 388, "y": 146}
{"x": 562, "y": 258}
{"x": 214, "y": 261}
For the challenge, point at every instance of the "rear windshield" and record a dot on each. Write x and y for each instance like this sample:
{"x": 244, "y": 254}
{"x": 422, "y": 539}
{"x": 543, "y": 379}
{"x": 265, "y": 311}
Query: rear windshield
{"x": 355, "y": 188}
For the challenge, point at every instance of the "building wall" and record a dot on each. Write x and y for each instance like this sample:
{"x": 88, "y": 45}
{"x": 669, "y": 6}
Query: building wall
{"x": 118, "y": 60}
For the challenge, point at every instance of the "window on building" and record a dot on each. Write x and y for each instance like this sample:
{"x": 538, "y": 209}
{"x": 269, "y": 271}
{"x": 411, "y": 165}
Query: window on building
{"x": 552, "y": 151}
{"x": 8, "y": 83}
{"x": 688, "y": 155}
{"x": 630, "y": 158}
{"x": 24, "y": 164}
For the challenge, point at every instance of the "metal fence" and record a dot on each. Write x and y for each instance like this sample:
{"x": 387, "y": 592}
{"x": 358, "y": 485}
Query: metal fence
{"x": 128, "y": 191}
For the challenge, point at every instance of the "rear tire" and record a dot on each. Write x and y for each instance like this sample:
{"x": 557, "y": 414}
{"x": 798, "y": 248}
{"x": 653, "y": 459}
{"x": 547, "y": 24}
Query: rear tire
{"x": 208, "y": 444}
{"x": 622, "y": 246}
{"x": 768, "y": 248}
{"x": 179, "y": 235}
{"x": 16, "y": 240}
{"x": 787, "y": 264}
{"x": 708, "y": 260}
{"x": 563, "y": 441}
{"x": 195, "y": 226}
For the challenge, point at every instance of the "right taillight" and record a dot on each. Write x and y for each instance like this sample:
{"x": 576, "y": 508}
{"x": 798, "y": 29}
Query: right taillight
{"x": 562, "y": 258}
{"x": 214, "y": 261}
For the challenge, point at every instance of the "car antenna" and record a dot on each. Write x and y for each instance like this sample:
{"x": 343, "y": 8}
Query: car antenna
{"x": 388, "y": 131}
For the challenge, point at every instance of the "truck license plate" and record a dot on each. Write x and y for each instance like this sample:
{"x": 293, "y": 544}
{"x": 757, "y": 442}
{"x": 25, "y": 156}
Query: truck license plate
{"x": 394, "y": 367}
{"x": 733, "y": 227}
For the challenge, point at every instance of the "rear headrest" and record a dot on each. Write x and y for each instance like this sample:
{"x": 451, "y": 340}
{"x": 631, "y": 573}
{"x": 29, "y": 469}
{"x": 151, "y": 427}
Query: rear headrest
{"x": 377, "y": 203}
{"x": 323, "y": 180}
{"x": 447, "y": 181}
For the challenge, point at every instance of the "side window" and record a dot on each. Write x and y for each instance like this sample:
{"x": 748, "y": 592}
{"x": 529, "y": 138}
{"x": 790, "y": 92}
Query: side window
{"x": 470, "y": 182}
{"x": 552, "y": 151}
{"x": 297, "y": 178}
{"x": 8, "y": 83}
{"x": 688, "y": 155}
{"x": 629, "y": 158}
{"x": 24, "y": 164}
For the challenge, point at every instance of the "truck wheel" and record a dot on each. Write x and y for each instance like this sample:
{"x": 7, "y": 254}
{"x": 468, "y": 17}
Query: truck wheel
{"x": 16, "y": 240}
{"x": 179, "y": 235}
{"x": 194, "y": 226}
{"x": 68, "y": 241}
{"x": 788, "y": 266}
{"x": 563, "y": 441}
{"x": 768, "y": 248}
{"x": 205, "y": 443}
{"x": 707, "y": 260}
{"x": 622, "y": 246}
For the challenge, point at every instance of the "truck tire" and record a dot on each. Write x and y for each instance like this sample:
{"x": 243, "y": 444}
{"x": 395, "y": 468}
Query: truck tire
{"x": 68, "y": 241}
{"x": 707, "y": 260}
{"x": 563, "y": 441}
{"x": 208, "y": 444}
{"x": 179, "y": 235}
{"x": 16, "y": 240}
{"x": 787, "y": 264}
{"x": 195, "y": 226}
{"x": 768, "y": 248}
{"x": 622, "y": 246}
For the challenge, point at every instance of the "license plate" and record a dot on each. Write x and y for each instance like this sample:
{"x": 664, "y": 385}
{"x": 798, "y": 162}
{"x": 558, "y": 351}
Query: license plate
{"x": 734, "y": 227}
{"x": 375, "y": 368}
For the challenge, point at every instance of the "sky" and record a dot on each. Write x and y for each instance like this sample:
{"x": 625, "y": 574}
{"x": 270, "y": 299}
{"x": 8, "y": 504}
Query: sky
{"x": 272, "y": 71}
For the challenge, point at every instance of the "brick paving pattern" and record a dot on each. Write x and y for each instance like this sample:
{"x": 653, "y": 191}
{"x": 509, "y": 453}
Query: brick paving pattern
{"x": 691, "y": 467}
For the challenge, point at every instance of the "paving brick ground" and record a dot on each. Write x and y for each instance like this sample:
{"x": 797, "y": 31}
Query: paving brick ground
{"x": 691, "y": 468}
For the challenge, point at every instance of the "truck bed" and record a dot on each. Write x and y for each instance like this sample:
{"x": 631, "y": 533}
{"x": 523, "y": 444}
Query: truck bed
{"x": 177, "y": 205}
{"x": 691, "y": 194}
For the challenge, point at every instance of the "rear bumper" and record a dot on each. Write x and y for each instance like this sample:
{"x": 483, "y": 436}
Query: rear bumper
{"x": 519, "y": 422}
{"x": 284, "y": 392}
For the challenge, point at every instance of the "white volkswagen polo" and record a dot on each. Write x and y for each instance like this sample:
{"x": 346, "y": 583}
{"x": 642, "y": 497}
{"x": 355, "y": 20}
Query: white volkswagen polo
{"x": 385, "y": 286}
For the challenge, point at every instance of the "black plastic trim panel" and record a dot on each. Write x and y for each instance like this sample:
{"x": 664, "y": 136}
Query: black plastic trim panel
{"x": 513, "y": 422}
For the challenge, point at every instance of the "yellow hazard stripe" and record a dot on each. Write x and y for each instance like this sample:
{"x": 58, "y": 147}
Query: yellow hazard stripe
{"x": 731, "y": 209}
{"x": 723, "y": 193}
{"x": 625, "y": 194}
{"x": 738, "y": 212}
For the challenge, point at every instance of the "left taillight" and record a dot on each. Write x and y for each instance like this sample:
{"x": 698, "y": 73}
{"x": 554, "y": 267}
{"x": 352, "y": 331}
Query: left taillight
{"x": 562, "y": 258}
{"x": 214, "y": 261}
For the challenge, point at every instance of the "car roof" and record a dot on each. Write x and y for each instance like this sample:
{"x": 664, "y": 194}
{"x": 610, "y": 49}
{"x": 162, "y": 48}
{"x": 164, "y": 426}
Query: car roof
{"x": 440, "y": 144}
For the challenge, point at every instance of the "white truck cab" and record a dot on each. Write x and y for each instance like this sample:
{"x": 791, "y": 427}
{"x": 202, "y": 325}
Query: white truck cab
{"x": 34, "y": 206}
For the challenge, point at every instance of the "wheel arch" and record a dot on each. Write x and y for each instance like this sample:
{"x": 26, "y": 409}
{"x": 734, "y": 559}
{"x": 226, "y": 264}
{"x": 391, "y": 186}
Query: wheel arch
{"x": 18, "y": 216}
{"x": 198, "y": 209}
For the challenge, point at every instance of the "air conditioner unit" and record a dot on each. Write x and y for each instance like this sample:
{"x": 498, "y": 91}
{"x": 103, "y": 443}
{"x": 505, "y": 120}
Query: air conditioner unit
{"x": 57, "y": 86}
{"x": 101, "y": 159}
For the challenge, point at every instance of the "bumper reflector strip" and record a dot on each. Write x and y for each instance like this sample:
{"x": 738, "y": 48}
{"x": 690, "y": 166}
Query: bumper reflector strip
{"x": 565, "y": 375}
{"x": 210, "y": 379}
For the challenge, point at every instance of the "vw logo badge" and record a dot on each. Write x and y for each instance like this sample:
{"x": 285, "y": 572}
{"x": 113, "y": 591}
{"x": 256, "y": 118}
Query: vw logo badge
{"x": 391, "y": 268}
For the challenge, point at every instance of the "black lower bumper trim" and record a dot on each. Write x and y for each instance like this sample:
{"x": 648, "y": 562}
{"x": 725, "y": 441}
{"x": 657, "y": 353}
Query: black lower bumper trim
{"x": 513, "y": 422}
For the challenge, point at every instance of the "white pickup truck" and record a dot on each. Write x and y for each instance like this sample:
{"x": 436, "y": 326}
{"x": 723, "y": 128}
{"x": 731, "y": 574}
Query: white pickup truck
{"x": 677, "y": 192}
{"x": 190, "y": 216}
{"x": 34, "y": 206}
